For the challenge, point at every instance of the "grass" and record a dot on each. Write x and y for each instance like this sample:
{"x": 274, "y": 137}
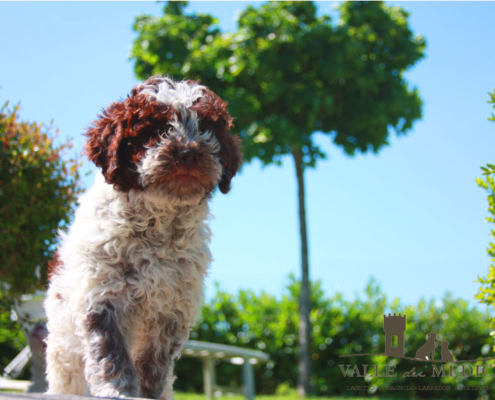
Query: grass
{"x": 197, "y": 396}
{"x": 200, "y": 396}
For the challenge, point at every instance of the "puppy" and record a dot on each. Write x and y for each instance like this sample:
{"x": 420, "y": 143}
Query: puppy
{"x": 127, "y": 280}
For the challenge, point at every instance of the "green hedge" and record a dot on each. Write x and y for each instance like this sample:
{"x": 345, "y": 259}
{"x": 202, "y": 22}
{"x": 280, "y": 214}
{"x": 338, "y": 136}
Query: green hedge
{"x": 12, "y": 339}
{"x": 269, "y": 323}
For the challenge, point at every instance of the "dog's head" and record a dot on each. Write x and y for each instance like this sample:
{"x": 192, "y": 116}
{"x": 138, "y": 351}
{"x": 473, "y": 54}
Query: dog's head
{"x": 168, "y": 139}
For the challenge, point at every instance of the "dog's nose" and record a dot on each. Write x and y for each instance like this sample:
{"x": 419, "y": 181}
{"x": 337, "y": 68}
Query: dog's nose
{"x": 188, "y": 157}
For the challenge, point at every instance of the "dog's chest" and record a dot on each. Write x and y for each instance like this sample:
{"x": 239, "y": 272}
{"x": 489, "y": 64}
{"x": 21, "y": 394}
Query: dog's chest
{"x": 165, "y": 267}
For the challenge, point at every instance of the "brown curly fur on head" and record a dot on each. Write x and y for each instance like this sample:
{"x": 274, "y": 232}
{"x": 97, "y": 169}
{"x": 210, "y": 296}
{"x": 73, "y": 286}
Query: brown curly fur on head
{"x": 119, "y": 138}
{"x": 213, "y": 115}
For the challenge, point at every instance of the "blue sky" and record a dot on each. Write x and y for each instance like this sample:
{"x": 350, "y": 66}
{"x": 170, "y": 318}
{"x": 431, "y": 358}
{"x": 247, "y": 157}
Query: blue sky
{"x": 412, "y": 216}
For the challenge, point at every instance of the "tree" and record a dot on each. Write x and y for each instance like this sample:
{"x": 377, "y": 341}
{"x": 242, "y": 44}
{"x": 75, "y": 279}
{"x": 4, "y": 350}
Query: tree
{"x": 288, "y": 73}
{"x": 487, "y": 290}
{"x": 37, "y": 190}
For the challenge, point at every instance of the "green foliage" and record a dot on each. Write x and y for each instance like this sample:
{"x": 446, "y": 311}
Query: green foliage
{"x": 37, "y": 189}
{"x": 492, "y": 101}
{"x": 12, "y": 340}
{"x": 487, "y": 291}
{"x": 339, "y": 326}
{"x": 287, "y": 72}
{"x": 282, "y": 396}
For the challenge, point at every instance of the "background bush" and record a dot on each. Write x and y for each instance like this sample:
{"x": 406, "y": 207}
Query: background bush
{"x": 38, "y": 187}
{"x": 269, "y": 323}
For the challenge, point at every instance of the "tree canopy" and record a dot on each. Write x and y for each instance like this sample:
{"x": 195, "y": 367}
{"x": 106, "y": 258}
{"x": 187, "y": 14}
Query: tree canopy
{"x": 288, "y": 72}
{"x": 37, "y": 190}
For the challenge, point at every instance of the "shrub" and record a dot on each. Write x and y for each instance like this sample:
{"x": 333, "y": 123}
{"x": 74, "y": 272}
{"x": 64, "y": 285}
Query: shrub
{"x": 38, "y": 188}
{"x": 340, "y": 327}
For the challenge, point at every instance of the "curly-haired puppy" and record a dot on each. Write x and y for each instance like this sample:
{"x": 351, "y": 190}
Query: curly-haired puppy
{"x": 126, "y": 283}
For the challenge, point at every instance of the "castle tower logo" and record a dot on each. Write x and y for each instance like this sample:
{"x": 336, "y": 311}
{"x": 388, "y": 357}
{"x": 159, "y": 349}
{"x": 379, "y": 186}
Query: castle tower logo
{"x": 394, "y": 327}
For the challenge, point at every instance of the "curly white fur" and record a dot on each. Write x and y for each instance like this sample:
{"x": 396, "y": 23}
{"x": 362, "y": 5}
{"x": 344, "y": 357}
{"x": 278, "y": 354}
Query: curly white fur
{"x": 149, "y": 259}
{"x": 130, "y": 273}
{"x": 179, "y": 95}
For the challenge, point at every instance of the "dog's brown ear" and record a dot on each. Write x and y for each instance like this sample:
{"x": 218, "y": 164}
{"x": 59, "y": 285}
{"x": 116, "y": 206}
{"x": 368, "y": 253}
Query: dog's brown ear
{"x": 230, "y": 158}
{"x": 117, "y": 138}
{"x": 106, "y": 145}
{"x": 213, "y": 116}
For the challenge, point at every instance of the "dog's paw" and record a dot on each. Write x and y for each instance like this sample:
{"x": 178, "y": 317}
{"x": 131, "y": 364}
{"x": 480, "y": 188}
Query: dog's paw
{"x": 111, "y": 392}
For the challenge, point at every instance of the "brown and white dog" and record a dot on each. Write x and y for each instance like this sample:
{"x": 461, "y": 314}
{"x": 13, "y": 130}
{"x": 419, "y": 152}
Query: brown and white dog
{"x": 127, "y": 280}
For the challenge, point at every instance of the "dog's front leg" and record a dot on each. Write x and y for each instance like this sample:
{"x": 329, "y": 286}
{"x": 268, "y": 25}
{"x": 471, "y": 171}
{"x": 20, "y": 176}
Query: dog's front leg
{"x": 155, "y": 369}
{"x": 156, "y": 356}
{"x": 109, "y": 369}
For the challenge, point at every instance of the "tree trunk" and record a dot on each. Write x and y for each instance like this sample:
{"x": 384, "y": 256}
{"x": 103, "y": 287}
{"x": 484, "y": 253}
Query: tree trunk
{"x": 304, "y": 387}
